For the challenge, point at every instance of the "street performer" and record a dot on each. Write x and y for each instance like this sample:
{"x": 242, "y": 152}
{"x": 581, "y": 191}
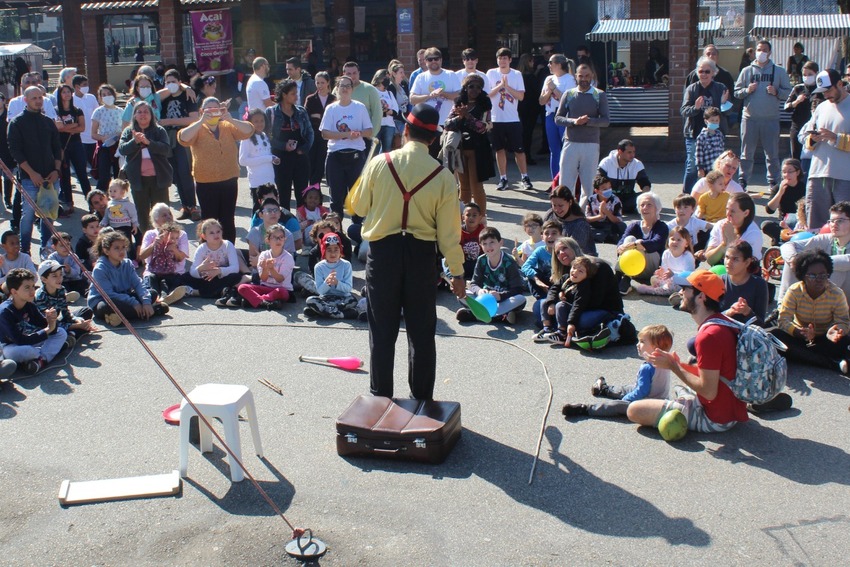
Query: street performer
{"x": 410, "y": 206}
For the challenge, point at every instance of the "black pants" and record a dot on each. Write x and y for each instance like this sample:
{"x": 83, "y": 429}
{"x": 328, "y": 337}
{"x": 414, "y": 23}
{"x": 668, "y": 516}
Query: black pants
{"x": 74, "y": 155}
{"x": 293, "y": 169}
{"x": 102, "y": 309}
{"x": 218, "y": 201}
{"x": 214, "y": 287}
{"x": 343, "y": 168}
{"x": 823, "y": 352}
{"x": 401, "y": 274}
{"x": 318, "y": 154}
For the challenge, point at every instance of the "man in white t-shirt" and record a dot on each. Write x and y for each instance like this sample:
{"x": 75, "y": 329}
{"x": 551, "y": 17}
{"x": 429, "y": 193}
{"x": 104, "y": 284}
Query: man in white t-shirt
{"x": 435, "y": 87}
{"x": 17, "y": 105}
{"x": 256, "y": 88}
{"x": 470, "y": 64}
{"x": 87, "y": 103}
{"x": 506, "y": 90}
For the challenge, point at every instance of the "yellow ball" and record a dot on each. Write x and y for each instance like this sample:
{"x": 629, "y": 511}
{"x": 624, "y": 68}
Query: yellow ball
{"x": 673, "y": 425}
{"x": 632, "y": 262}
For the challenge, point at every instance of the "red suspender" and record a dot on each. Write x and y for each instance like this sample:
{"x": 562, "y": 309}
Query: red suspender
{"x": 407, "y": 195}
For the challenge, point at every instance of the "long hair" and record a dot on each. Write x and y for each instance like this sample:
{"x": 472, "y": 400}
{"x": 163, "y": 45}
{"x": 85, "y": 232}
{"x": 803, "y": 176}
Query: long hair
{"x": 559, "y": 269}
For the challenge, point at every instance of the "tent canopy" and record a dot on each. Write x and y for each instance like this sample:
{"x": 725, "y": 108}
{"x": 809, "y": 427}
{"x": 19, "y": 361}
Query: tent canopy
{"x": 21, "y": 49}
{"x": 645, "y": 30}
{"x": 807, "y": 25}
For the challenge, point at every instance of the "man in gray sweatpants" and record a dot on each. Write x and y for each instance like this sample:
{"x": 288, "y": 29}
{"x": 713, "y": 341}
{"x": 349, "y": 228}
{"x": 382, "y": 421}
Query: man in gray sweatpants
{"x": 761, "y": 86}
{"x": 583, "y": 111}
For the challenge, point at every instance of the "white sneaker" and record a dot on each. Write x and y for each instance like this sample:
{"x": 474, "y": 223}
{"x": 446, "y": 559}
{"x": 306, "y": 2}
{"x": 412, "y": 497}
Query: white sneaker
{"x": 176, "y": 295}
{"x": 72, "y": 296}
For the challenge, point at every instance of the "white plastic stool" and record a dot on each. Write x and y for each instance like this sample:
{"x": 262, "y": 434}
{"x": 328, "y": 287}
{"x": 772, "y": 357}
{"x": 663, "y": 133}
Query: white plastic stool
{"x": 223, "y": 401}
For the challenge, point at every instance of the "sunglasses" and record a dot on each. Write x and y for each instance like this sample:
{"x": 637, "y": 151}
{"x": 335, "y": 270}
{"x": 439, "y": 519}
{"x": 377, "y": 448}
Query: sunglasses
{"x": 433, "y": 58}
{"x": 271, "y": 210}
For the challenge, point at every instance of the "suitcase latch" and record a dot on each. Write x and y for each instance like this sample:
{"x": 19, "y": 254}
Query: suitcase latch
{"x": 419, "y": 442}
{"x": 351, "y": 437}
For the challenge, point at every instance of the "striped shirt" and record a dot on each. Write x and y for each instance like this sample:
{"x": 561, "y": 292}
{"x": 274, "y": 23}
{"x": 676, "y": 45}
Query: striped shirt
{"x": 799, "y": 309}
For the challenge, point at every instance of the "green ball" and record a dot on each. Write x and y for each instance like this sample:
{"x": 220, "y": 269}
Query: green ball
{"x": 673, "y": 425}
{"x": 719, "y": 269}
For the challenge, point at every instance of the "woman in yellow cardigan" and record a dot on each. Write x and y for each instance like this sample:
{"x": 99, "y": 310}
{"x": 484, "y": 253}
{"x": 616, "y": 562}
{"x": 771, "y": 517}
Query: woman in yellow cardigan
{"x": 215, "y": 162}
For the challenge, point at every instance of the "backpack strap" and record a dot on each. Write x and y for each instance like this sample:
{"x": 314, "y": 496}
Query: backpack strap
{"x": 407, "y": 195}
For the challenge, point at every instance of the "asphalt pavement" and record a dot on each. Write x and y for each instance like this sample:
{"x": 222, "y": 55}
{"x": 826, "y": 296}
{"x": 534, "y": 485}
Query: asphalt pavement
{"x": 772, "y": 491}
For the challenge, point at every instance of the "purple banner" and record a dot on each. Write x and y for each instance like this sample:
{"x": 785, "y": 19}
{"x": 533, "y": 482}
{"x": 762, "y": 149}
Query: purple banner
{"x": 213, "y": 35}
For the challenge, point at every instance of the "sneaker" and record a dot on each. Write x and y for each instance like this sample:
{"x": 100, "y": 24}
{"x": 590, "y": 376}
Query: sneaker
{"x": 540, "y": 337}
{"x": 222, "y": 301}
{"x": 363, "y": 317}
{"x": 599, "y": 388}
{"x": 160, "y": 309}
{"x": 773, "y": 318}
{"x": 7, "y": 367}
{"x": 780, "y": 402}
{"x": 72, "y": 296}
{"x": 503, "y": 184}
{"x": 70, "y": 341}
{"x": 555, "y": 337}
{"x": 844, "y": 367}
{"x": 236, "y": 302}
{"x": 675, "y": 300}
{"x": 526, "y": 183}
{"x": 33, "y": 367}
{"x": 185, "y": 214}
{"x": 191, "y": 292}
{"x": 465, "y": 315}
{"x": 572, "y": 410}
{"x": 113, "y": 320}
{"x": 625, "y": 285}
{"x": 349, "y": 313}
{"x": 510, "y": 317}
{"x": 310, "y": 312}
{"x": 196, "y": 214}
{"x": 175, "y": 296}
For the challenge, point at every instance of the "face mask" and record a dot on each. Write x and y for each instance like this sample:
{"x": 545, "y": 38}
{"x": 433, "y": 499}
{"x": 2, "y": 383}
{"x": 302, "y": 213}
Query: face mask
{"x": 713, "y": 125}
{"x": 173, "y": 87}
{"x": 607, "y": 193}
{"x": 809, "y": 80}
{"x": 762, "y": 57}
{"x": 213, "y": 121}
{"x": 144, "y": 92}
{"x": 84, "y": 90}
{"x": 109, "y": 100}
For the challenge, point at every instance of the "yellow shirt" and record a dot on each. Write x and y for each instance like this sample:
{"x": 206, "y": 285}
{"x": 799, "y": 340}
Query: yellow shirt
{"x": 713, "y": 208}
{"x": 433, "y": 213}
{"x": 215, "y": 159}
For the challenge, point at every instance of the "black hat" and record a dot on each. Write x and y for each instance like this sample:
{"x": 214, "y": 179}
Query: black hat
{"x": 424, "y": 117}
{"x": 826, "y": 80}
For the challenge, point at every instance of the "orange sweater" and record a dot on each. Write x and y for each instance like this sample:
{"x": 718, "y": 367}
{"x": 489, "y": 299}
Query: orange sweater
{"x": 215, "y": 159}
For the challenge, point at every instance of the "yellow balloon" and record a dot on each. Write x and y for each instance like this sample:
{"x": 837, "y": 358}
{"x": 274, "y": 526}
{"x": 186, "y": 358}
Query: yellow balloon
{"x": 632, "y": 263}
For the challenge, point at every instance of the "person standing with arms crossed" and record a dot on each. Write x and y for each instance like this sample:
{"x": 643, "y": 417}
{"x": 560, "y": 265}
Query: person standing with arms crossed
{"x": 401, "y": 271}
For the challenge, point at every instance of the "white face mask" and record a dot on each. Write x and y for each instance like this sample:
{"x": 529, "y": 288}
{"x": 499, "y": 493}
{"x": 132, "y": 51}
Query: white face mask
{"x": 762, "y": 56}
{"x": 172, "y": 87}
{"x": 84, "y": 90}
{"x": 144, "y": 92}
{"x": 809, "y": 80}
{"x": 109, "y": 100}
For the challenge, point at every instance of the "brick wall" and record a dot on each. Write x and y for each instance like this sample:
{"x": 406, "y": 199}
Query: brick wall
{"x": 458, "y": 28}
{"x": 639, "y": 49}
{"x": 171, "y": 32}
{"x": 683, "y": 51}
{"x": 95, "y": 51}
{"x": 485, "y": 32}
{"x": 251, "y": 29}
{"x": 72, "y": 28}
{"x": 407, "y": 43}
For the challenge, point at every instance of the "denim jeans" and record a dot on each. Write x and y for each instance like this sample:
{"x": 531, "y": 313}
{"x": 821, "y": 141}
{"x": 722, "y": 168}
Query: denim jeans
{"x": 46, "y": 349}
{"x": 28, "y": 219}
{"x": 555, "y": 137}
{"x": 690, "y": 165}
{"x": 181, "y": 163}
{"x": 385, "y": 135}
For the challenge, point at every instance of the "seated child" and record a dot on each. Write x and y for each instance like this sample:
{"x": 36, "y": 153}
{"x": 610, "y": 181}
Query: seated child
{"x": 165, "y": 249}
{"x": 538, "y": 267}
{"x": 604, "y": 212}
{"x": 676, "y": 259}
{"x": 91, "y": 226}
{"x": 326, "y": 226}
{"x": 215, "y": 266}
{"x": 263, "y": 192}
{"x": 52, "y": 295}
{"x": 573, "y": 294}
{"x": 685, "y": 205}
{"x": 651, "y": 382}
{"x": 12, "y": 258}
{"x": 470, "y": 229}
{"x": 334, "y": 281}
{"x": 115, "y": 274}
{"x": 285, "y": 217}
{"x": 121, "y": 213}
{"x": 711, "y": 142}
{"x": 311, "y": 211}
{"x": 497, "y": 273}
{"x": 30, "y": 338}
{"x": 73, "y": 281}
{"x": 712, "y": 203}
{"x": 275, "y": 272}
{"x": 532, "y": 224}
{"x": 270, "y": 213}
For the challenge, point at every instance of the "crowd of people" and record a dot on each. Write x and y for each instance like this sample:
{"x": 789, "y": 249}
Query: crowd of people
{"x": 451, "y": 132}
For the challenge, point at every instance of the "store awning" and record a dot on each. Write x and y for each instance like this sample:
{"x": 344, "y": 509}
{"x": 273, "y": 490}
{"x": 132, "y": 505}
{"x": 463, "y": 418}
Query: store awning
{"x": 645, "y": 30}
{"x": 808, "y": 25}
{"x": 141, "y": 5}
{"x": 20, "y": 49}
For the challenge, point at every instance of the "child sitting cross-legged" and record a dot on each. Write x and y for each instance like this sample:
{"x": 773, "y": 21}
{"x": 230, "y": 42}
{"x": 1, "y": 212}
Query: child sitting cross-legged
{"x": 215, "y": 266}
{"x": 53, "y": 295}
{"x": 334, "y": 281}
{"x": 604, "y": 212}
{"x": 496, "y": 273}
{"x": 712, "y": 203}
{"x": 29, "y": 338}
{"x": 676, "y": 259}
{"x": 164, "y": 250}
{"x": 275, "y": 271}
{"x": 651, "y": 382}
{"x": 73, "y": 281}
{"x": 118, "y": 279}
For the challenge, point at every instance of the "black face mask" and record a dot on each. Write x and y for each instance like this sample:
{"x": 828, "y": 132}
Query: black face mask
{"x": 160, "y": 71}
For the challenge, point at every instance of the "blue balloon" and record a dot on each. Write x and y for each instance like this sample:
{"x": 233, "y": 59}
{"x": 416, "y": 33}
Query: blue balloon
{"x": 801, "y": 236}
{"x": 489, "y": 302}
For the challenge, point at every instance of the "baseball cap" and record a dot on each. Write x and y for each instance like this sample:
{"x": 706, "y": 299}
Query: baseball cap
{"x": 707, "y": 282}
{"x": 47, "y": 267}
{"x": 826, "y": 79}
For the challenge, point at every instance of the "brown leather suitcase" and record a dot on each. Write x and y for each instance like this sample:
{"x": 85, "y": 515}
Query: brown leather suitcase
{"x": 398, "y": 429}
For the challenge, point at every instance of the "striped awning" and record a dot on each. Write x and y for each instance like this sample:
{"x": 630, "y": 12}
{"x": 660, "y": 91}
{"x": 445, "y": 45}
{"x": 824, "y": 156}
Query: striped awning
{"x": 144, "y": 5}
{"x": 807, "y": 25}
{"x": 645, "y": 30}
